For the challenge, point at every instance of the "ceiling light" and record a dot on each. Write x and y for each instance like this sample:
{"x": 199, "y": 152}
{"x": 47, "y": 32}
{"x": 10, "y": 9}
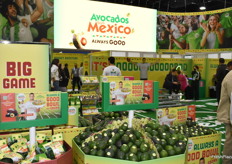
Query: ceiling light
{"x": 202, "y": 8}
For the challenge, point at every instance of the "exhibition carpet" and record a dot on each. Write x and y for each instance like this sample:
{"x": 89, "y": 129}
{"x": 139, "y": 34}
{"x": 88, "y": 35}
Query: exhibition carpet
{"x": 206, "y": 115}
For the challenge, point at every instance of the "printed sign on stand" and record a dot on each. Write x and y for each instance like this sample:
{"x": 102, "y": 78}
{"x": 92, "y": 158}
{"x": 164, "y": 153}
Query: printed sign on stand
{"x": 172, "y": 116}
{"x": 204, "y": 149}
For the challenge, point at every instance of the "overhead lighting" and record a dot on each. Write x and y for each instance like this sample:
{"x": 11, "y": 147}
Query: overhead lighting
{"x": 202, "y": 8}
{"x": 202, "y": 5}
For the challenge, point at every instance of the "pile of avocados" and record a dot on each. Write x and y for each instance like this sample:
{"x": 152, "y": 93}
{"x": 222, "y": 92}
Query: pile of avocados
{"x": 129, "y": 144}
{"x": 122, "y": 143}
{"x": 102, "y": 117}
{"x": 172, "y": 140}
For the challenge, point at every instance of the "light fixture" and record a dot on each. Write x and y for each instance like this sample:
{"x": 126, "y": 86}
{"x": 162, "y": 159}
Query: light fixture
{"x": 202, "y": 5}
{"x": 202, "y": 8}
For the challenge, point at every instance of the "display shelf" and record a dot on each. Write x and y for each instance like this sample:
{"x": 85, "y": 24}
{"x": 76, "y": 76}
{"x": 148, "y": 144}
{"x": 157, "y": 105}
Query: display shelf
{"x": 45, "y": 122}
{"x": 106, "y": 107}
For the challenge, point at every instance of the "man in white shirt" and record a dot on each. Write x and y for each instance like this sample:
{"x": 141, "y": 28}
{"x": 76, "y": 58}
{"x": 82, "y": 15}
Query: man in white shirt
{"x": 55, "y": 76}
{"x": 18, "y": 27}
{"x": 31, "y": 108}
{"x": 120, "y": 95}
{"x": 111, "y": 70}
{"x": 143, "y": 67}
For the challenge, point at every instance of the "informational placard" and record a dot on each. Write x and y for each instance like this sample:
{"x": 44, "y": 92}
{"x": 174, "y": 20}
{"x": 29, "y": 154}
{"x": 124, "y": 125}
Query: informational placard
{"x": 104, "y": 26}
{"x": 204, "y": 149}
{"x": 172, "y": 116}
{"x": 22, "y": 66}
{"x": 30, "y": 106}
{"x": 126, "y": 92}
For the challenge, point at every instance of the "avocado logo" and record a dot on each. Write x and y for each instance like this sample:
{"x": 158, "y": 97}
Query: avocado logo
{"x": 72, "y": 110}
{"x": 190, "y": 145}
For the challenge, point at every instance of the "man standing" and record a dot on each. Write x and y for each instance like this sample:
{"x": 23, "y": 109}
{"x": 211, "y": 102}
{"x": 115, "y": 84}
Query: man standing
{"x": 75, "y": 78}
{"x": 111, "y": 70}
{"x": 143, "y": 67}
{"x": 66, "y": 72}
{"x": 18, "y": 27}
{"x": 220, "y": 74}
{"x": 195, "y": 82}
{"x": 224, "y": 112}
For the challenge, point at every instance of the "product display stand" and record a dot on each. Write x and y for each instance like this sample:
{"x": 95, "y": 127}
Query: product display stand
{"x": 32, "y": 123}
{"x": 89, "y": 95}
{"x": 107, "y": 107}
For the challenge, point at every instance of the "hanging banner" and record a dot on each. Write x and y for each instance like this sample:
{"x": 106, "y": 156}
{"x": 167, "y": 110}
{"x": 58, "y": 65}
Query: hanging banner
{"x": 208, "y": 31}
{"x": 22, "y": 66}
{"x": 98, "y": 27}
{"x": 172, "y": 116}
{"x": 204, "y": 149}
{"x": 29, "y": 25}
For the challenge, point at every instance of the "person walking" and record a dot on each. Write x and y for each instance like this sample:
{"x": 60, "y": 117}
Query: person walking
{"x": 224, "y": 112}
{"x": 220, "y": 74}
{"x": 196, "y": 77}
{"x": 75, "y": 78}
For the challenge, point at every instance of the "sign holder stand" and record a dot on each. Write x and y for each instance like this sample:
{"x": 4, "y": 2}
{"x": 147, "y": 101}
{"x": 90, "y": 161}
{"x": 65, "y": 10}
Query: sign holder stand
{"x": 106, "y": 107}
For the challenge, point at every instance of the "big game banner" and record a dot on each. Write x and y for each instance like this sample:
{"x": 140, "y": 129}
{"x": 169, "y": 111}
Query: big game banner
{"x": 181, "y": 32}
{"x": 204, "y": 149}
{"x": 172, "y": 116}
{"x": 104, "y": 26}
{"x": 24, "y": 67}
{"x": 156, "y": 72}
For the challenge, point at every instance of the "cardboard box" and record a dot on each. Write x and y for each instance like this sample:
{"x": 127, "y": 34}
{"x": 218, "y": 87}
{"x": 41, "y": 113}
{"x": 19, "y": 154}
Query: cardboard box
{"x": 66, "y": 158}
{"x": 80, "y": 158}
{"x": 7, "y": 104}
{"x": 68, "y": 133}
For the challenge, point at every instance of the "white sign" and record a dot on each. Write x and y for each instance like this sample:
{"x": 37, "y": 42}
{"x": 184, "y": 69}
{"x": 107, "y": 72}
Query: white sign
{"x": 94, "y": 25}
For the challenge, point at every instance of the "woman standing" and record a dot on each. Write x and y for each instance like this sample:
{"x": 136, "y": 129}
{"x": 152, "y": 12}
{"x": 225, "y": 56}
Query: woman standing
{"x": 62, "y": 82}
{"x": 214, "y": 33}
{"x": 196, "y": 77}
{"x": 55, "y": 75}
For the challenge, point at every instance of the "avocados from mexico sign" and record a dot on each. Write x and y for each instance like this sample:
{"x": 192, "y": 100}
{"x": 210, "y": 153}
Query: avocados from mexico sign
{"x": 24, "y": 67}
{"x": 104, "y": 26}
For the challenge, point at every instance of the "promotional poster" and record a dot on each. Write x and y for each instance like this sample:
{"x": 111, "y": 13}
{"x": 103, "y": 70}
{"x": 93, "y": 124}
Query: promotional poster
{"x": 98, "y": 27}
{"x": 30, "y": 24}
{"x": 195, "y": 32}
{"x": 172, "y": 116}
{"x": 204, "y": 149}
{"x": 30, "y": 106}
